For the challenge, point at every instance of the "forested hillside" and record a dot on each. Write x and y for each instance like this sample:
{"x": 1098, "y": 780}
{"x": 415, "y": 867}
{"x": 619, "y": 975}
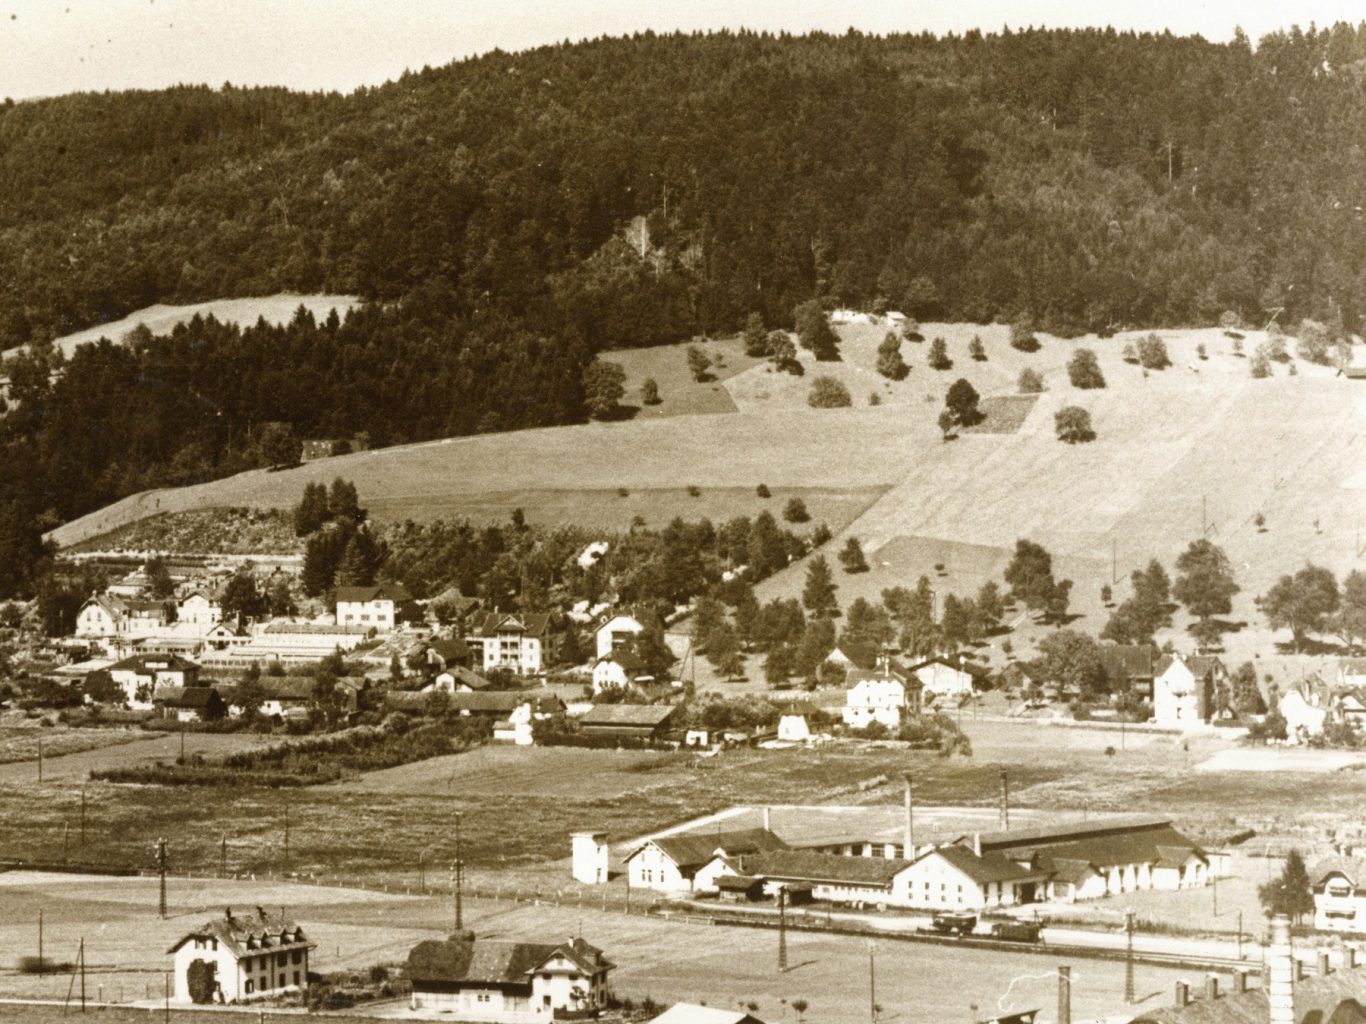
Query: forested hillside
{"x": 517, "y": 213}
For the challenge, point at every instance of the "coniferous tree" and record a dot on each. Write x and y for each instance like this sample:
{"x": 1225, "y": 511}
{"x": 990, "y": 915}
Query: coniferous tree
{"x": 818, "y": 594}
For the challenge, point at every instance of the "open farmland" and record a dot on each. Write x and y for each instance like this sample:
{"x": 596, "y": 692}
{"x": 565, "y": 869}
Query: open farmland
{"x": 125, "y": 941}
{"x": 1198, "y": 442}
{"x": 161, "y": 319}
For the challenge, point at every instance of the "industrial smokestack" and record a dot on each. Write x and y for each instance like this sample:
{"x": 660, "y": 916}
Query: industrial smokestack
{"x": 1280, "y": 961}
{"x": 1005, "y": 800}
{"x": 908, "y": 834}
{"x": 1064, "y": 994}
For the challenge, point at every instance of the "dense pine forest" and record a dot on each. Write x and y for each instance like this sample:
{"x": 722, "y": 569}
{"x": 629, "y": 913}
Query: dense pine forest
{"x": 514, "y": 214}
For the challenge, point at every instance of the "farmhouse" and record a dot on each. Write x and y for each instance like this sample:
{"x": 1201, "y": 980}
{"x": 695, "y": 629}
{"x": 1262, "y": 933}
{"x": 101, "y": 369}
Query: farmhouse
{"x": 948, "y": 678}
{"x": 1129, "y": 668}
{"x": 1183, "y": 689}
{"x": 140, "y": 675}
{"x": 449, "y": 652}
{"x": 516, "y": 643}
{"x": 1340, "y": 894}
{"x": 793, "y": 729}
{"x": 240, "y": 957}
{"x": 371, "y": 607}
{"x": 628, "y": 721}
{"x": 852, "y": 653}
{"x": 881, "y": 695}
{"x": 110, "y": 617}
{"x": 292, "y": 696}
{"x": 457, "y": 679}
{"x": 617, "y": 632}
{"x": 673, "y": 863}
{"x": 513, "y": 982}
{"x": 190, "y": 703}
{"x": 1305, "y": 708}
{"x": 199, "y": 609}
{"x": 619, "y": 669}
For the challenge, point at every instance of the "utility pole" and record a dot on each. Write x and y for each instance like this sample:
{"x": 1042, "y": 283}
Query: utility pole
{"x": 1129, "y": 956}
{"x": 66, "y": 845}
{"x": 161, "y": 871}
{"x": 167, "y": 979}
{"x": 1214, "y": 894}
{"x": 223, "y": 857}
{"x": 1064, "y": 994}
{"x": 82, "y": 817}
{"x": 1240, "y": 935}
{"x": 782, "y": 928}
{"x": 1005, "y": 800}
{"x": 872, "y": 986}
{"x": 40, "y": 938}
{"x": 40, "y": 759}
{"x": 459, "y": 877}
{"x": 82, "y": 958}
{"x": 182, "y": 742}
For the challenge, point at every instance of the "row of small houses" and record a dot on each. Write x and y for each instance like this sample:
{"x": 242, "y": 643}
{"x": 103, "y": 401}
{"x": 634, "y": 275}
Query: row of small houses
{"x": 1062, "y": 864}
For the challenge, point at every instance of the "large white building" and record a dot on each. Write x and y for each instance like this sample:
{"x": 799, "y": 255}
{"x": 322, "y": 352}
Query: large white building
{"x": 671, "y": 863}
{"x": 370, "y": 607}
{"x": 514, "y": 642}
{"x": 881, "y": 695}
{"x": 240, "y": 957}
{"x": 140, "y": 676}
{"x": 507, "y": 982}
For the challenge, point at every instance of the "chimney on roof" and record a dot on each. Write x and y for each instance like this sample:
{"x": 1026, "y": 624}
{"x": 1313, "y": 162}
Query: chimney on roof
{"x": 1240, "y": 980}
{"x": 1325, "y": 966}
{"x": 1281, "y": 972}
{"x": 261, "y": 912}
{"x": 767, "y": 819}
{"x": 227, "y": 913}
{"x": 1183, "y": 992}
{"x": 1211, "y": 986}
{"x": 977, "y": 843}
{"x": 1300, "y": 973}
{"x": 1351, "y": 957}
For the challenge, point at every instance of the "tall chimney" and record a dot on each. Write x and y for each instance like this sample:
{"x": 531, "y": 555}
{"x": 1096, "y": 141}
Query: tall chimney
{"x": 1325, "y": 965}
{"x": 1280, "y": 965}
{"x": 1064, "y": 994}
{"x": 1005, "y": 800}
{"x": 908, "y": 836}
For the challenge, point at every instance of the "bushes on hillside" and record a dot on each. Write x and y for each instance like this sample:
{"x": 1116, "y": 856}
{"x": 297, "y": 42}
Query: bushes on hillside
{"x": 1083, "y": 370}
{"x": 828, "y": 393}
{"x": 1073, "y": 425}
{"x": 1030, "y": 382}
{"x": 1152, "y": 353}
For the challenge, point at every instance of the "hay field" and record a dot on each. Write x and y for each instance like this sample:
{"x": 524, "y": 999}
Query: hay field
{"x": 160, "y": 319}
{"x": 1199, "y": 439}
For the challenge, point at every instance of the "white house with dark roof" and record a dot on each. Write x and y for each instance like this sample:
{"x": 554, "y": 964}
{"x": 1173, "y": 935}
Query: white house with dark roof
{"x": 671, "y": 863}
{"x": 947, "y": 677}
{"x": 1339, "y": 886}
{"x": 619, "y": 669}
{"x": 507, "y": 982}
{"x": 240, "y": 957}
{"x": 513, "y": 642}
{"x": 1183, "y": 688}
{"x": 114, "y": 617}
{"x": 617, "y": 632}
{"x": 373, "y": 607}
{"x": 880, "y": 695}
{"x": 139, "y": 676}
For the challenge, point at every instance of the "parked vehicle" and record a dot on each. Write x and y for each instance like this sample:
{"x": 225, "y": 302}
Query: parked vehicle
{"x": 1017, "y": 931}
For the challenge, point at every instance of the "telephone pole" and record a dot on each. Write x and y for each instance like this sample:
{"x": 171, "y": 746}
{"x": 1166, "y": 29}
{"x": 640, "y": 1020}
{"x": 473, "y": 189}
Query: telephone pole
{"x": 161, "y": 871}
{"x": 82, "y": 817}
{"x": 782, "y": 928}
{"x": 872, "y": 986}
{"x": 286, "y": 838}
{"x": 1129, "y": 956}
{"x": 82, "y": 958}
{"x": 458, "y": 877}
{"x": 40, "y": 938}
{"x": 40, "y": 759}
{"x": 223, "y": 857}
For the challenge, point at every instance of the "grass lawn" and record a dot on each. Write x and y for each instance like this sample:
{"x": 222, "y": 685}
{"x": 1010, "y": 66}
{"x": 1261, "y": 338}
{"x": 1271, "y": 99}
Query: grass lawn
{"x": 20, "y": 742}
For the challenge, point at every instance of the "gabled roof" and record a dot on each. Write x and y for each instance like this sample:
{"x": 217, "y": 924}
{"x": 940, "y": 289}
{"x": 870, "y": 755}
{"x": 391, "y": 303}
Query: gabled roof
{"x": 451, "y": 649}
{"x": 1350, "y": 868}
{"x": 860, "y": 653}
{"x": 1123, "y": 839}
{"x": 877, "y": 675}
{"x": 690, "y": 850}
{"x": 984, "y": 868}
{"x": 1128, "y": 661}
{"x": 628, "y": 659}
{"x": 1201, "y": 665}
{"x": 191, "y": 698}
{"x": 497, "y": 963}
{"x": 245, "y": 934}
{"x": 953, "y": 662}
{"x": 635, "y": 715}
{"x": 508, "y": 622}
{"x": 467, "y": 677}
{"x": 395, "y": 592}
{"x": 693, "y": 1013}
{"x": 806, "y": 866}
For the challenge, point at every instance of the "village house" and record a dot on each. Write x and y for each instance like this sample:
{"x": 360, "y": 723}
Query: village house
{"x": 457, "y": 679}
{"x": 1305, "y": 706}
{"x": 696, "y": 1013}
{"x": 793, "y": 729}
{"x": 672, "y": 863}
{"x": 375, "y": 607}
{"x": 117, "y": 618}
{"x": 1351, "y": 673}
{"x": 627, "y": 721}
{"x": 508, "y": 982}
{"x": 953, "y": 877}
{"x": 513, "y": 642}
{"x": 293, "y": 696}
{"x": 1129, "y": 669}
{"x": 616, "y": 633}
{"x": 1183, "y": 688}
{"x": 619, "y": 669}
{"x": 851, "y": 653}
{"x": 139, "y": 676}
{"x": 190, "y": 703}
{"x": 949, "y": 679}
{"x": 199, "y": 609}
{"x": 240, "y": 957}
{"x": 1339, "y": 886}
{"x": 447, "y": 653}
{"x": 881, "y": 695}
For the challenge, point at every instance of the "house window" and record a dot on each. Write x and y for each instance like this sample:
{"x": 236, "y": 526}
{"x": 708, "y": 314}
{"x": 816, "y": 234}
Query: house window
{"x": 298, "y": 956}
{"x": 251, "y": 986}
{"x": 283, "y": 958}
{"x": 483, "y": 997}
{"x": 296, "y": 977}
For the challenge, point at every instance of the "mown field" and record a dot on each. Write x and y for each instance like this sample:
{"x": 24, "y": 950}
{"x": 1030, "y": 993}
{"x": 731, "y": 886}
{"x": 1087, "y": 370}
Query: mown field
{"x": 1197, "y": 446}
{"x": 20, "y": 742}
